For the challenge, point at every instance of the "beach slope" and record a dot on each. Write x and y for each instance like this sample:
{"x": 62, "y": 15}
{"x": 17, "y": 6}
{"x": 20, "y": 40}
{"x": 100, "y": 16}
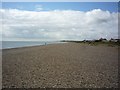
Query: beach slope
{"x": 66, "y": 65}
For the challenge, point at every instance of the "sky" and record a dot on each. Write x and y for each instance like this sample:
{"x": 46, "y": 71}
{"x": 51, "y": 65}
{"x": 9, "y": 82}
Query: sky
{"x": 81, "y": 6}
{"x": 59, "y": 20}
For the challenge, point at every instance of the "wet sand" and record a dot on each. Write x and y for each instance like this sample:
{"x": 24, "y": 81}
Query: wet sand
{"x": 68, "y": 65}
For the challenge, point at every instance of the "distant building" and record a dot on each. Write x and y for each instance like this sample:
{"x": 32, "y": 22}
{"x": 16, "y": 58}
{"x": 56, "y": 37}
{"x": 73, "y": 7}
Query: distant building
{"x": 103, "y": 40}
{"x": 114, "y": 40}
{"x": 86, "y": 41}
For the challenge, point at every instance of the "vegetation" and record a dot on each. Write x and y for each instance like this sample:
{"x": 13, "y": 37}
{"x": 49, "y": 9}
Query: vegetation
{"x": 111, "y": 42}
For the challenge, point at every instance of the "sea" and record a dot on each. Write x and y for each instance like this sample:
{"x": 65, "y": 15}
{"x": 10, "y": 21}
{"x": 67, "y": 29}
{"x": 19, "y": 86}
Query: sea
{"x": 17, "y": 44}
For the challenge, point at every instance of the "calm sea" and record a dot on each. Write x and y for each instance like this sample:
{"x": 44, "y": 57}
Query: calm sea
{"x": 15, "y": 44}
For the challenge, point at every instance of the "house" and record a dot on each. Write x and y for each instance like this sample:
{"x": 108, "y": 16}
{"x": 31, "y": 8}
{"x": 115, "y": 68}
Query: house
{"x": 114, "y": 40}
{"x": 103, "y": 40}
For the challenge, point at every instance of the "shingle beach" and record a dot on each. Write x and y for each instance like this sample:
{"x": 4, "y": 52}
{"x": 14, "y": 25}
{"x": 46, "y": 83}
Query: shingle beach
{"x": 66, "y": 65}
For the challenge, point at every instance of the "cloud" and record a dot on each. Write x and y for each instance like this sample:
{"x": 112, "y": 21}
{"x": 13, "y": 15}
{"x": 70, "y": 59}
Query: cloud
{"x": 58, "y": 25}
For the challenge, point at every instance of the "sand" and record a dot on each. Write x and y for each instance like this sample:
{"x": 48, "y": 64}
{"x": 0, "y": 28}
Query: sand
{"x": 67, "y": 65}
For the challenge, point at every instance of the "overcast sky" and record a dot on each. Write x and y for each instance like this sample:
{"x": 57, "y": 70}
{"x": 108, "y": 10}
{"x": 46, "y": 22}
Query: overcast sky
{"x": 59, "y": 21}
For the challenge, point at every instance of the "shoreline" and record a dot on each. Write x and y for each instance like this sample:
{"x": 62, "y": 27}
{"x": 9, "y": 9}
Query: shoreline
{"x": 32, "y": 46}
{"x": 81, "y": 43}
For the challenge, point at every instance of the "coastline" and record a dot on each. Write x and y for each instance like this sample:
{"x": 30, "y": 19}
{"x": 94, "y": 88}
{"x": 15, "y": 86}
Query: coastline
{"x": 62, "y": 65}
{"x": 19, "y": 44}
{"x": 27, "y": 46}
